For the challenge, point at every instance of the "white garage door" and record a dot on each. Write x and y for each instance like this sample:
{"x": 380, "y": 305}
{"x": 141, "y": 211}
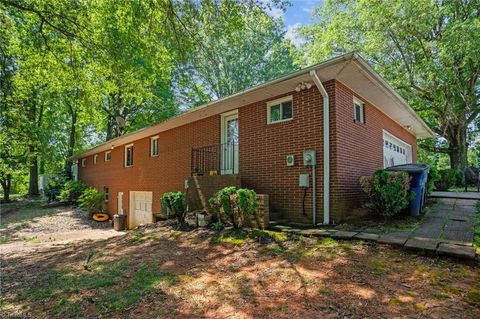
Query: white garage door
{"x": 395, "y": 151}
{"x": 140, "y": 209}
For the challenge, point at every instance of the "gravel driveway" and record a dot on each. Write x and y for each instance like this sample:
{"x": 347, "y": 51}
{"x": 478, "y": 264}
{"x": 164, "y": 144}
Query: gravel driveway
{"x": 37, "y": 227}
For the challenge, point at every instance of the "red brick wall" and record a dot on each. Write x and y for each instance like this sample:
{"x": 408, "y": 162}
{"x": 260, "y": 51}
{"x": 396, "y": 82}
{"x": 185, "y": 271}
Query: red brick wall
{"x": 164, "y": 173}
{"x": 264, "y": 148}
{"x": 356, "y": 149}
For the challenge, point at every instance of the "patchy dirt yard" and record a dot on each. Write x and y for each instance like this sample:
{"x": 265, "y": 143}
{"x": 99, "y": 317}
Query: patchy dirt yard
{"x": 159, "y": 272}
{"x": 28, "y": 225}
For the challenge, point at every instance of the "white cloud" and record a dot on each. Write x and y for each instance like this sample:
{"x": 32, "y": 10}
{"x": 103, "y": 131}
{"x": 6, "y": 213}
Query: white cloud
{"x": 276, "y": 13}
{"x": 293, "y": 34}
{"x": 307, "y": 9}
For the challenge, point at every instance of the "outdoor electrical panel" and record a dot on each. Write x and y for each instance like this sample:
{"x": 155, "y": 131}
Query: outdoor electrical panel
{"x": 290, "y": 160}
{"x": 309, "y": 158}
{"x": 304, "y": 180}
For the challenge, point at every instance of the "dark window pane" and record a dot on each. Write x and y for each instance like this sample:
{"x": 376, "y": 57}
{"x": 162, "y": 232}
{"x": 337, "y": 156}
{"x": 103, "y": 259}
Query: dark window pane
{"x": 357, "y": 113}
{"x": 287, "y": 110}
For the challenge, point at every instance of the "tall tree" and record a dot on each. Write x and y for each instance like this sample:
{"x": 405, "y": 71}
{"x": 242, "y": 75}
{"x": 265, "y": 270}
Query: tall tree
{"x": 428, "y": 49}
{"x": 233, "y": 46}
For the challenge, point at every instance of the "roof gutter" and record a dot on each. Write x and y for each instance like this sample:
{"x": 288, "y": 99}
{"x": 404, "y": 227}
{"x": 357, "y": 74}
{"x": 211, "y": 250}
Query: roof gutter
{"x": 326, "y": 150}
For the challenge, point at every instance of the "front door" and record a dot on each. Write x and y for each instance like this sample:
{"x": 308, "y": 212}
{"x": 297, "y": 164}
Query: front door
{"x": 229, "y": 146}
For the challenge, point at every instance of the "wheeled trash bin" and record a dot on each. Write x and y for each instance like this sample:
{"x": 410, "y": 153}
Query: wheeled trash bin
{"x": 418, "y": 184}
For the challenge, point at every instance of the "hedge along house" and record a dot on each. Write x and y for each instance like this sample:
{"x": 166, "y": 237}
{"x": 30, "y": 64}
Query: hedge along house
{"x": 304, "y": 139}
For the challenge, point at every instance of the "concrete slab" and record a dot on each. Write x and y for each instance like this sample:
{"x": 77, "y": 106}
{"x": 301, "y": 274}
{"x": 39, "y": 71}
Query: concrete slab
{"x": 397, "y": 239}
{"x": 366, "y": 236}
{"x": 341, "y": 234}
{"x": 447, "y": 249}
{"x": 466, "y": 202}
{"x": 422, "y": 244}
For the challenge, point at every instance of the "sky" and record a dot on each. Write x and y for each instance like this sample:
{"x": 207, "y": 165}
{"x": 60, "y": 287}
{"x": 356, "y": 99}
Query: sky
{"x": 296, "y": 15}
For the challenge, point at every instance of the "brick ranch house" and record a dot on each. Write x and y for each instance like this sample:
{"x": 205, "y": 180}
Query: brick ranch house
{"x": 269, "y": 136}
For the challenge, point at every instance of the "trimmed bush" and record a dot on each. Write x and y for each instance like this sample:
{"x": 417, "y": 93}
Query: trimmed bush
{"x": 388, "y": 192}
{"x": 234, "y": 204}
{"x": 92, "y": 200}
{"x": 448, "y": 178}
{"x": 177, "y": 204}
{"x": 71, "y": 191}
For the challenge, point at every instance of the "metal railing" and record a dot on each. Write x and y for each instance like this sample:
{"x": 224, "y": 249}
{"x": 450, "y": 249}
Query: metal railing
{"x": 215, "y": 159}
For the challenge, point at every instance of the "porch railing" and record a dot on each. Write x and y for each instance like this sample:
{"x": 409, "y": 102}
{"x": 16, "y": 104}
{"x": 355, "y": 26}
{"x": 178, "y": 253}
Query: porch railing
{"x": 215, "y": 159}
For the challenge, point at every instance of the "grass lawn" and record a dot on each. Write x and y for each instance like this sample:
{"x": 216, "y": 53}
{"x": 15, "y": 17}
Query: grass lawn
{"x": 162, "y": 272}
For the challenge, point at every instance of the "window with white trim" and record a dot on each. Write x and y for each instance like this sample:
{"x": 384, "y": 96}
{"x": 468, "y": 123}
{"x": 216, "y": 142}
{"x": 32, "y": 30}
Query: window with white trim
{"x": 280, "y": 110}
{"x": 95, "y": 159}
{"x": 84, "y": 162}
{"x": 358, "y": 111}
{"x": 154, "y": 146}
{"x": 108, "y": 156}
{"x": 106, "y": 193}
{"x": 129, "y": 155}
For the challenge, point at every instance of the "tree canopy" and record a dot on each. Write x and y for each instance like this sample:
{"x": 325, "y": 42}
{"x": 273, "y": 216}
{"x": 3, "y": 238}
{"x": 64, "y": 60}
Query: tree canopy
{"x": 76, "y": 73}
{"x": 428, "y": 50}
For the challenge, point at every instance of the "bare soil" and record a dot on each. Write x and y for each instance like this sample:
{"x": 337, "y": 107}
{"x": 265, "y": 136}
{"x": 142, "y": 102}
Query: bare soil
{"x": 160, "y": 272}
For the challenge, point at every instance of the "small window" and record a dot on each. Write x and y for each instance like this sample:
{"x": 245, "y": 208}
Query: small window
{"x": 95, "y": 159}
{"x": 358, "y": 111}
{"x": 280, "y": 110}
{"x": 106, "y": 193}
{"x": 84, "y": 162}
{"x": 108, "y": 156}
{"x": 129, "y": 155}
{"x": 154, "y": 146}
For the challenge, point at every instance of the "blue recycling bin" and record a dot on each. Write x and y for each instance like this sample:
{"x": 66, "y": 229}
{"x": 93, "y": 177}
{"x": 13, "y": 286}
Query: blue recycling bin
{"x": 418, "y": 184}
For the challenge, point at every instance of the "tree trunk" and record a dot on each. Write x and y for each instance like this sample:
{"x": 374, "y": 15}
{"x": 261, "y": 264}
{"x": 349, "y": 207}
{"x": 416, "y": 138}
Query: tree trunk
{"x": 33, "y": 166}
{"x": 6, "y": 185}
{"x": 458, "y": 147}
{"x": 71, "y": 145}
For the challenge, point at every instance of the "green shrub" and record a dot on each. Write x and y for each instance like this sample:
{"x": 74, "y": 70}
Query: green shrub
{"x": 388, "y": 191}
{"x": 448, "y": 178}
{"x": 92, "y": 200}
{"x": 54, "y": 186}
{"x": 433, "y": 176}
{"x": 176, "y": 203}
{"x": 71, "y": 191}
{"x": 235, "y": 204}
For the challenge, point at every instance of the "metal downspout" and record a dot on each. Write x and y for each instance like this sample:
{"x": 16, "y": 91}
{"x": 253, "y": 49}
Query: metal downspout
{"x": 326, "y": 151}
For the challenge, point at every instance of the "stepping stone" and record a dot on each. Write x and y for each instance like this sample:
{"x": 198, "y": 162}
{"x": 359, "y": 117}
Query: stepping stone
{"x": 423, "y": 244}
{"x": 341, "y": 234}
{"x": 317, "y": 232}
{"x": 452, "y": 250}
{"x": 366, "y": 236}
{"x": 397, "y": 239}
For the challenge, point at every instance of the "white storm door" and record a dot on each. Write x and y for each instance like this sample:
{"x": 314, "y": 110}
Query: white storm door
{"x": 120, "y": 203}
{"x": 229, "y": 144}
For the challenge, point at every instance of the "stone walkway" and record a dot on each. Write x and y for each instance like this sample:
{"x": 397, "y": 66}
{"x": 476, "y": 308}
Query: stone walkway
{"x": 459, "y": 195}
{"x": 447, "y": 230}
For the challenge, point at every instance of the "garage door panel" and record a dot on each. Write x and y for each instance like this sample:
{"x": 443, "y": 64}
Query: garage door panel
{"x": 395, "y": 150}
